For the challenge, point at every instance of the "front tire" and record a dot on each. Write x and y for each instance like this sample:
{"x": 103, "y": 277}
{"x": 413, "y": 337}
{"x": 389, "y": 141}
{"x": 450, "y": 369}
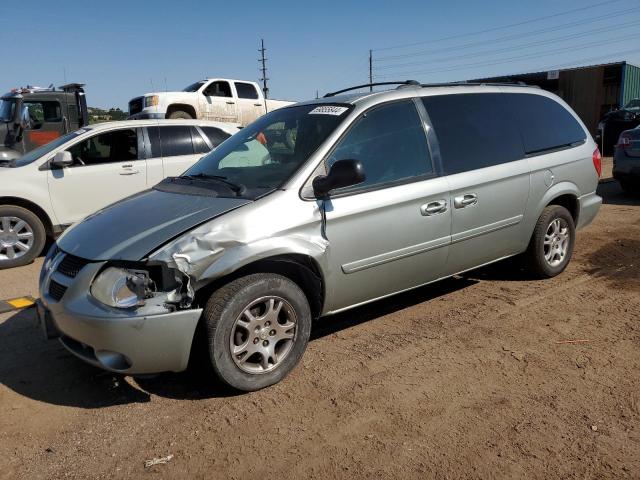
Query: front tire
{"x": 257, "y": 328}
{"x": 551, "y": 244}
{"x": 22, "y": 236}
{"x": 179, "y": 114}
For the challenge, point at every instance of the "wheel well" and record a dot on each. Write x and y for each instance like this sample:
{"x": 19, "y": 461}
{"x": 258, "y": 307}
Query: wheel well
{"x": 32, "y": 207}
{"x": 570, "y": 202}
{"x": 184, "y": 107}
{"x": 300, "y": 269}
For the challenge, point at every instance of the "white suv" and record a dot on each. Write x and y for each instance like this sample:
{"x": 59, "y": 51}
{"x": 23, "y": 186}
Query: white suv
{"x": 62, "y": 182}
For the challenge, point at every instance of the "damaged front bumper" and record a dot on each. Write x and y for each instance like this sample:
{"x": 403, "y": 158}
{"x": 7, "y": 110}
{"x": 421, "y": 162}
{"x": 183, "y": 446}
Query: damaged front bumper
{"x": 150, "y": 339}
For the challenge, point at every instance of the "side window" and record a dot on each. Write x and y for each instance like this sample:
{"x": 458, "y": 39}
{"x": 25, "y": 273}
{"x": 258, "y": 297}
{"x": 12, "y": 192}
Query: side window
{"x": 215, "y": 135}
{"x": 246, "y": 90}
{"x": 116, "y": 146}
{"x": 218, "y": 89}
{"x": 544, "y": 123}
{"x": 176, "y": 140}
{"x": 41, "y": 112}
{"x": 390, "y": 142}
{"x": 474, "y": 130}
{"x": 199, "y": 145}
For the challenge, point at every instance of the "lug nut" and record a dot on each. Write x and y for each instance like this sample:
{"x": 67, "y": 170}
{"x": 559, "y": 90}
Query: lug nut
{"x": 267, "y": 323}
{"x": 255, "y": 340}
{"x": 272, "y": 333}
{"x": 265, "y": 343}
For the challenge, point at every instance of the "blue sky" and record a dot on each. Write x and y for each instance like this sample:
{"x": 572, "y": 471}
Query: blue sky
{"x": 120, "y": 48}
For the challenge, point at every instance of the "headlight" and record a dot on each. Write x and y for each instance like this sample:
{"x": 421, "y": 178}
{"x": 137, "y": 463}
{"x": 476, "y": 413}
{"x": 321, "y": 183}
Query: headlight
{"x": 151, "y": 101}
{"x": 117, "y": 287}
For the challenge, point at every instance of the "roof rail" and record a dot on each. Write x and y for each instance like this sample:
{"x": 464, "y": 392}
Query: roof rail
{"x": 402, "y": 83}
{"x": 476, "y": 84}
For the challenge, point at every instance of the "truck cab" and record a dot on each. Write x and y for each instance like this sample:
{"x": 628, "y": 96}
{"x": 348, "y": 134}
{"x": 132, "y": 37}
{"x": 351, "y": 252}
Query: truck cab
{"x": 218, "y": 99}
{"x": 31, "y": 117}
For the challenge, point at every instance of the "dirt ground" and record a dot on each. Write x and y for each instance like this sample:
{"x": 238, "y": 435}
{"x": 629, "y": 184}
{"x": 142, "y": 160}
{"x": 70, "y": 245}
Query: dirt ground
{"x": 489, "y": 375}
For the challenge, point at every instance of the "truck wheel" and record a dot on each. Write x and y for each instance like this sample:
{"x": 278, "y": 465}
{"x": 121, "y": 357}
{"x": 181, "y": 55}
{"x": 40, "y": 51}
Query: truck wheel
{"x": 257, "y": 328}
{"x": 551, "y": 244}
{"x": 22, "y": 236}
{"x": 177, "y": 114}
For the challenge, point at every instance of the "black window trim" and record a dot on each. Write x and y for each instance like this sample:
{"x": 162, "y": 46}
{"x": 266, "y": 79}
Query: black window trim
{"x": 356, "y": 190}
{"x": 559, "y": 148}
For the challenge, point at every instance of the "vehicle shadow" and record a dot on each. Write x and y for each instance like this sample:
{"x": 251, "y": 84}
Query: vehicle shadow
{"x": 612, "y": 194}
{"x": 44, "y": 371}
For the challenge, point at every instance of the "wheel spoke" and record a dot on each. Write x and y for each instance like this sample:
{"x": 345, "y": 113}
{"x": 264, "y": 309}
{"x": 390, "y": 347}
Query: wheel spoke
{"x": 6, "y": 224}
{"x": 19, "y": 226}
{"x": 11, "y": 253}
{"x": 22, "y": 246}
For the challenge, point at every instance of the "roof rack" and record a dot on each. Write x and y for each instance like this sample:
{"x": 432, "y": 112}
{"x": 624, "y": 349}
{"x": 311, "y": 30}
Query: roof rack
{"x": 476, "y": 84}
{"x": 400, "y": 84}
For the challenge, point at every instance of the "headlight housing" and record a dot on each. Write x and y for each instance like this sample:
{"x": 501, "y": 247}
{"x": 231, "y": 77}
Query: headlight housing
{"x": 121, "y": 288}
{"x": 151, "y": 101}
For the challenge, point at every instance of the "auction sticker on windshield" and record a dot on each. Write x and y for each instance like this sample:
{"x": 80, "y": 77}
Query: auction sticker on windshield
{"x": 328, "y": 110}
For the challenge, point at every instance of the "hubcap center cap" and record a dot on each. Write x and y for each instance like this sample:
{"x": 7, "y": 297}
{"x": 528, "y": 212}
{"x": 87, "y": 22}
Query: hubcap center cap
{"x": 264, "y": 333}
{"x": 9, "y": 239}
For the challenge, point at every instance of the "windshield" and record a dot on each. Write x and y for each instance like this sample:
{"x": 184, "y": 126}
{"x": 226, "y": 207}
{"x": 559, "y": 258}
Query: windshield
{"x": 7, "y": 110}
{"x": 262, "y": 156}
{"x": 33, "y": 155}
{"x": 194, "y": 87}
{"x": 633, "y": 104}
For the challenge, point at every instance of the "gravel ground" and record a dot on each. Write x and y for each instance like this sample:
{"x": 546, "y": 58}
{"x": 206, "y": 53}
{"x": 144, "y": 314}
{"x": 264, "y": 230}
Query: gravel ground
{"x": 487, "y": 375}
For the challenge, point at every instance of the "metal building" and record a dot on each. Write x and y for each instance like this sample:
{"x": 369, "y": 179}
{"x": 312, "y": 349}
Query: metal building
{"x": 591, "y": 91}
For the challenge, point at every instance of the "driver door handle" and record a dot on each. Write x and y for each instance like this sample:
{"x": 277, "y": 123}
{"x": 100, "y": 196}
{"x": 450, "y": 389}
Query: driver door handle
{"x": 229, "y": 102}
{"x": 465, "y": 200}
{"x": 433, "y": 208}
{"x": 127, "y": 169}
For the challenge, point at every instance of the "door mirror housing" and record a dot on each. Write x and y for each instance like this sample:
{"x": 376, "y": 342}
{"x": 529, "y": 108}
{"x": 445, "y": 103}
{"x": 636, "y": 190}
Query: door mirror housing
{"x": 343, "y": 173}
{"x": 61, "y": 160}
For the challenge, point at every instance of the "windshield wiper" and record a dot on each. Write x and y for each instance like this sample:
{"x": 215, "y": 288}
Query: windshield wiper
{"x": 237, "y": 188}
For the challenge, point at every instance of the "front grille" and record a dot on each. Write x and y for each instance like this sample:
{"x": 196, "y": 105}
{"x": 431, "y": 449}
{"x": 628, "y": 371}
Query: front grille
{"x": 135, "y": 105}
{"x": 56, "y": 291}
{"x": 71, "y": 265}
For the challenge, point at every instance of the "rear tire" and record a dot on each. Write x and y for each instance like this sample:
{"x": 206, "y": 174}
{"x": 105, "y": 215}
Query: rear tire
{"x": 22, "y": 236}
{"x": 257, "y": 328}
{"x": 179, "y": 114}
{"x": 551, "y": 244}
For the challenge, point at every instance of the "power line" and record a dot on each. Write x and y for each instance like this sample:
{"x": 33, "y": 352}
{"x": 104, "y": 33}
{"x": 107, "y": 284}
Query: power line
{"x": 510, "y": 48}
{"x": 493, "y": 29}
{"x": 627, "y": 37}
{"x": 508, "y": 37}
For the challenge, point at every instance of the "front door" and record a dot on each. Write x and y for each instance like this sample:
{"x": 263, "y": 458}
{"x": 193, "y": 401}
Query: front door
{"x": 392, "y": 232}
{"x": 219, "y": 103}
{"x": 107, "y": 168}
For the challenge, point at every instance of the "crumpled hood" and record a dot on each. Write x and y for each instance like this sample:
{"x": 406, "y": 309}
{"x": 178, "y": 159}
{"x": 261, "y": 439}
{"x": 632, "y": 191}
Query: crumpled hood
{"x": 137, "y": 225}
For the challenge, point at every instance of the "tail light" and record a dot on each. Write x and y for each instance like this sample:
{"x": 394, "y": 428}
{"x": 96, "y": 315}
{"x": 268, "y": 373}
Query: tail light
{"x": 624, "y": 141}
{"x": 597, "y": 162}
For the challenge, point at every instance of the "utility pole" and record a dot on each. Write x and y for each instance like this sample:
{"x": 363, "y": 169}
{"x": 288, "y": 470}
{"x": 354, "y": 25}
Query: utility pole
{"x": 371, "y": 69}
{"x": 263, "y": 69}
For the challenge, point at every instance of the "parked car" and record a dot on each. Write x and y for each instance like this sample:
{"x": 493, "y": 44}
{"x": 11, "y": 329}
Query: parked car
{"x": 372, "y": 195}
{"x": 615, "y": 122}
{"x": 31, "y": 117}
{"x": 626, "y": 160}
{"x": 60, "y": 183}
{"x": 219, "y": 99}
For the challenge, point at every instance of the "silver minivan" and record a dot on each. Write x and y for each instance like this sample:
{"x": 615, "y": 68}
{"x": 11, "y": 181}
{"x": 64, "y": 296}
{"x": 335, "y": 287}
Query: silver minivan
{"x": 314, "y": 209}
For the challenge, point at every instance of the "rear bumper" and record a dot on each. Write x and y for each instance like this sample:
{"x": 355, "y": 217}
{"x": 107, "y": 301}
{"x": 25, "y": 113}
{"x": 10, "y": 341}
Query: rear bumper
{"x": 626, "y": 168}
{"x": 589, "y": 207}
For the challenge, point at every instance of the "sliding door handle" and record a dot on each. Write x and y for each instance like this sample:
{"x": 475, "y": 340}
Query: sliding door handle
{"x": 465, "y": 200}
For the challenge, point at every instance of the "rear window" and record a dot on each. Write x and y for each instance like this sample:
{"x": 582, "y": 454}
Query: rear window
{"x": 246, "y": 90}
{"x": 170, "y": 141}
{"x": 473, "y": 130}
{"x": 544, "y": 123}
{"x": 215, "y": 135}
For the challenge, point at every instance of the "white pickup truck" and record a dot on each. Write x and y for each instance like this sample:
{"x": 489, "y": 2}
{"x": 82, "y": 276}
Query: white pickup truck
{"x": 219, "y": 99}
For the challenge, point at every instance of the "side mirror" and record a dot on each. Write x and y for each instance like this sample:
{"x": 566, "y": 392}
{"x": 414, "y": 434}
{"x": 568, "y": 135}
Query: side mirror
{"x": 61, "y": 160}
{"x": 25, "y": 118}
{"x": 343, "y": 173}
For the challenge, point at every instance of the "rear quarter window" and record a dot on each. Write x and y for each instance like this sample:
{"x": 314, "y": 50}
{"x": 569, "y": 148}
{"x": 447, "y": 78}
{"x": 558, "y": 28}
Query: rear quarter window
{"x": 215, "y": 135}
{"x": 545, "y": 124}
{"x": 474, "y": 130}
